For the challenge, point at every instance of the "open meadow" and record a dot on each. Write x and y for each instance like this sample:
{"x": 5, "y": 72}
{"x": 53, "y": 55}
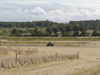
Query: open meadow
{"x": 67, "y": 57}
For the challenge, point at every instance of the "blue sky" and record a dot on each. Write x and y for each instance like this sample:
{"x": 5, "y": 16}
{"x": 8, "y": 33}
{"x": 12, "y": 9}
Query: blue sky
{"x": 53, "y": 10}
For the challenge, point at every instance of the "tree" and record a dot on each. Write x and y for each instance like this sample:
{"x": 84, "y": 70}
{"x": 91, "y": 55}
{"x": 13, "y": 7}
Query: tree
{"x": 76, "y": 33}
{"x": 63, "y": 30}
{"x": 83, "y": 33}
{"x": 68, "y": 28}
{"x": 55, "y": 30}
{"x": 49, "y": 30}
{"x": 46, "y": 24}
{"x": 33, "y": 33}
{"x": 36, "y": 29}
{"x": 81, "y": 28}
{"x": 14, "y": 31}
{"x": 75, "y": 28}
{"x": 95, "y": 32}
{"x": 40, "y": 24}
{"x": 60, "y": 26}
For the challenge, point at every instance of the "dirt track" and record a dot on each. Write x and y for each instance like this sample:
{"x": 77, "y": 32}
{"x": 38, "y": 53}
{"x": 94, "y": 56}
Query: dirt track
{"x": 89, "y": 59}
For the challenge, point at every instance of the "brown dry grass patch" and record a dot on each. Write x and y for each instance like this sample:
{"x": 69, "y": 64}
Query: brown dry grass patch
{"x": 27, "y": 57}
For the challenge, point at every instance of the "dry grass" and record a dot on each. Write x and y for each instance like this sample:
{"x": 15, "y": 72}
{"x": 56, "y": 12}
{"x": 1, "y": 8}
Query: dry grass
{"x": 3, "y": 51}
{"x": 8, "y": 63}
{"x": 17, "y": 50}
{"x": 27, "y": 57}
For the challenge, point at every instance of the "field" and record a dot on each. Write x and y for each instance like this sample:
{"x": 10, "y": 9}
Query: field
{"x": 62, "y": 59}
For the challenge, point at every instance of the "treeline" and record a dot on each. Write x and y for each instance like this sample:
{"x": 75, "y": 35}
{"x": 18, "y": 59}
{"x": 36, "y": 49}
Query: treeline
{"x": 26, "y": 24}
{"x": 59, "y": 30}
{"x": 89, "y": 24}
{"x": 49, "y": 28}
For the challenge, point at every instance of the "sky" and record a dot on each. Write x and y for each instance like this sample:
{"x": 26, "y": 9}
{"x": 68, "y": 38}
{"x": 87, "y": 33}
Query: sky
{"x": 52, "y": 10}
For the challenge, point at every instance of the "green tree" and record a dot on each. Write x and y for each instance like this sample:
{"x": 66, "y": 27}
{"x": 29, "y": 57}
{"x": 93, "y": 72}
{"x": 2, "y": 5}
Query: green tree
{"x": 75, "y": 28}
{"x": 36, "y": 29}
{"x": 49, "y": 30}
{"x": 63, "y": 30}
{"x": 55, "y": 30}
{"x": 83, "y": 33}
{"x": 40, "y": 24}
{"x": 81, "y": 28}
{"x": 68, "y": 28}
{"x": 95, "y": 32}
{"x": 60, "y": 26}
{"x": 33, "y": 33}
{"x": 14, "y": 31}
{"x": 76, "y": 33}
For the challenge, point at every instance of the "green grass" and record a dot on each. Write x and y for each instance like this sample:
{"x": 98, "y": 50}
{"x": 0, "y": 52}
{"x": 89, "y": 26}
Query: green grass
{"x": 51, "y": 38}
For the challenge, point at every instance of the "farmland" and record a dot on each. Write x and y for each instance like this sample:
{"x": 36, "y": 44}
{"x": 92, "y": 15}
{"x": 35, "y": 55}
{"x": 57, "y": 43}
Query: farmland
{"x": 88, "y": 62}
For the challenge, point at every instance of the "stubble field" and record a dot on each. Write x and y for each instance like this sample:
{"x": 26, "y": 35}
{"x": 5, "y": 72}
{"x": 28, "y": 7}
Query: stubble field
{"x": 87, "y": 64}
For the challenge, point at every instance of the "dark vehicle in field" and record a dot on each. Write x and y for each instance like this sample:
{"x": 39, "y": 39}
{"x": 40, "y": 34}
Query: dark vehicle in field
{"x": 50, "y": 44}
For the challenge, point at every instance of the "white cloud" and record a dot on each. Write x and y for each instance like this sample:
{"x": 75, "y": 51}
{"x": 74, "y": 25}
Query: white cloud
{"x": 55, "y": 10}
{"x": 38, "y": 11}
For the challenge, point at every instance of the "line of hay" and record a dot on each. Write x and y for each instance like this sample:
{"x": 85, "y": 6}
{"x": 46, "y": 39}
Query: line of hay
{"x": 8, "y": 63}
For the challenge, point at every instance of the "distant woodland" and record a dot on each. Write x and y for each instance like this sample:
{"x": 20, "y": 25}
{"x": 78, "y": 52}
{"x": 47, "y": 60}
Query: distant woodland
{"x": 49, "y": 28}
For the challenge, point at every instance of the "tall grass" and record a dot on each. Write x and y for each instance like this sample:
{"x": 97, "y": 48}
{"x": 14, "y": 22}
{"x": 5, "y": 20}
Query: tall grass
{"x": 8, "y": 63}
{"x": 28, "y": 57}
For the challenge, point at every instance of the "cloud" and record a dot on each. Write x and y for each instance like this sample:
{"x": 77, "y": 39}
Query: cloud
{"x": 58, "y": 12}
{"x": 38, "y": 11}
{"x": 19, "y": 10}
{"x": 54, "y": 10}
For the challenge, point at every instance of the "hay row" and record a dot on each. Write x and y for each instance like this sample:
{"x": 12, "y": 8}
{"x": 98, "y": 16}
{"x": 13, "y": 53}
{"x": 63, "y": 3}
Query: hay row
{"x": 8, "y": 63}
